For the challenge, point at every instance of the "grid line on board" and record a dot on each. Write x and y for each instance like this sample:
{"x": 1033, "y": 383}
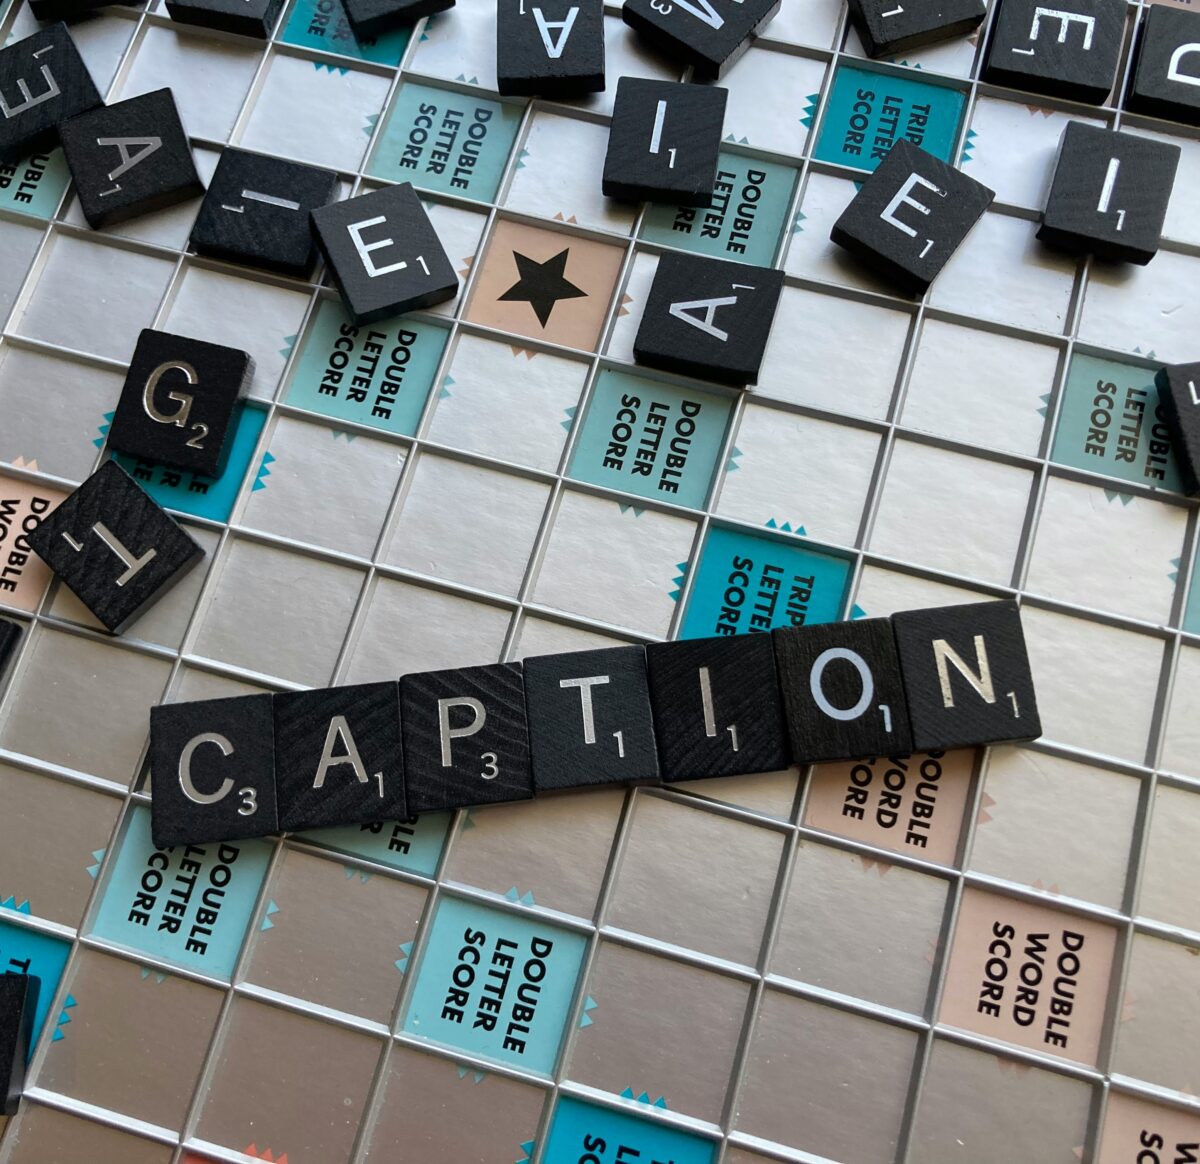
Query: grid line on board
{"x": 523, "y": 605}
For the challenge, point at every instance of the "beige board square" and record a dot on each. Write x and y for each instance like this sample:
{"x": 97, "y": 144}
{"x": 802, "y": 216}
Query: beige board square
{"x": 43, "y": 1135}
{"x": 288, "y": 1084}
{"x": 23, "y": 575}
{"x": 1158, "y": 1031}
{"x": 83, "y": 704}
{"x": 696, "y": 879}
{"x": 1029, "y": 975}
{"x": 1171, "y": 870}
{"x": 860, "y": 926}
{"x": 50, "y": 831}
{"x": 969, "y": 1107}
{"x": 545, "y": 284}
{"x": 556, "y": 848}
{"x": 1138, "y": 1131}
{"x": 322, "y": 910}
{"x": 906, "y": 804}
{"x": 684, "y": 1051}
{"x": 826, "y": 1081}
{"x": 1055, "y": 824}
{"x": 114, "y": 1054}
{"x": 430, "y": 1111}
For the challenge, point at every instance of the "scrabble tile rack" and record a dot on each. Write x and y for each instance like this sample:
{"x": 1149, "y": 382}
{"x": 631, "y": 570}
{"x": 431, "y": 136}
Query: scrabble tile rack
{"x": 1148, "y": 648}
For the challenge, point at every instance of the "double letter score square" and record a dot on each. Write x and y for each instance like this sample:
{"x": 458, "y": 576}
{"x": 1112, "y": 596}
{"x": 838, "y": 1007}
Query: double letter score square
{"x": 664, "y": 142}
{"x": 910, "y": 216}
{"x": 708, "y": 318}
{"x": 384, "y": 253}
{"x": 549, "y": 48}
{"x": 116, "y": 549}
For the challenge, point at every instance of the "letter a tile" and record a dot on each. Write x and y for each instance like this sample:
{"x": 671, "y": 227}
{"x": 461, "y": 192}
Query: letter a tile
{"x": 708, "y": 318}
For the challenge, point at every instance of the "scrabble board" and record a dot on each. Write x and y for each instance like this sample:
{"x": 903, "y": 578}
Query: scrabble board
{"x": 986, "y": 956}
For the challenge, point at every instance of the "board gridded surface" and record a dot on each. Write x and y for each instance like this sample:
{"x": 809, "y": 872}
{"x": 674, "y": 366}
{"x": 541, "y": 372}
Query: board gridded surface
{"x": 796, "y": 966}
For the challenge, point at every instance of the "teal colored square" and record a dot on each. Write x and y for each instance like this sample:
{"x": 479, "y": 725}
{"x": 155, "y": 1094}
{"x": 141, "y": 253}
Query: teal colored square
{"x": 414, "y": 846}
{"x": 1191, "y": 615}
{"x": 378, "y": 374}
{"x": 585, "y": 1133}
{"x": 1111, "y": 423}
{"x": 744, "y": 223}
{"x": 194, "y": 493}
{"x": 453, "y": 143}
{"x": 322, "y": 24}
{"x": 747, "y": 582}
{"x": 24, "y": 951}
{"x": 35, "y": 184}
{"x": 868, "y": 111}
{"x": 651, "y": 438}
{"x": 189, "y": 905}
{"x": 468, "y": 997}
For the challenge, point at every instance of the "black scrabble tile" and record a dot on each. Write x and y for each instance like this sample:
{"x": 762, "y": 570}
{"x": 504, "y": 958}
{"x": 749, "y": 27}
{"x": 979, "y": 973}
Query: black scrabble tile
{"x": 664, "y": 141}
{"x": 130, "y": 158}
{"x": 68, "y": 10}
{"x": 43, "y": 81}
{"x": 212, "y": 770}
{"x": 338, "y": 756}
{"x": 842, "y": 692}
{"x": 114, "y": 546}
{"x": 466, "y": 740}
{"x": 18, "y": 1001}
{"x": 178, "y": 402}
{"x": 709, "y": 35}
{"x": 708, "y": 318}
{"x": 550, "y": 48}
{"x": 257, "y": 211}
{"x": 1067, "y": 49}
{"x": 716, "y": 707}
{"x": 385, "y": 254}
{"x": 1109, "y": 194}
{"x": 910, "y": 216}
{"x": 1179, "y": 394}
{"x": 1165, "y": 81}
{"x": 589, "y": 718}
{"x": 369, "y": 18}
{"x": 887, "y": 27}
{"x": 10, "y": 636}
{"x": 966, "y": 675}
{"x": 254, "y": 18}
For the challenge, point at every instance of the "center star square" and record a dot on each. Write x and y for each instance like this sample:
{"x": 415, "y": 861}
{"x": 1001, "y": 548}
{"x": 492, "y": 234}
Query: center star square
{"x": 542, "y": 285}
